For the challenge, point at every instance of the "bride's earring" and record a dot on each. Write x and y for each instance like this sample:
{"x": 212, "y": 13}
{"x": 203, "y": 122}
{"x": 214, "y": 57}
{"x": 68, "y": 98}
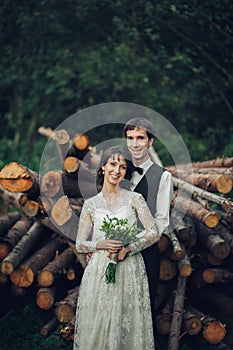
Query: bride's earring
{"x": 103, "y": 172}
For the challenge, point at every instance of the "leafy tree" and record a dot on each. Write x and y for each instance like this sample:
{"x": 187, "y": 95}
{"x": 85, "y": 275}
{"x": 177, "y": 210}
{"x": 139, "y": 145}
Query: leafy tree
{"x": 58, "y": 57}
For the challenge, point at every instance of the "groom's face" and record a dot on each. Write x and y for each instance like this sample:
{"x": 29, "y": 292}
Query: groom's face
{"x": 138, "y": 144}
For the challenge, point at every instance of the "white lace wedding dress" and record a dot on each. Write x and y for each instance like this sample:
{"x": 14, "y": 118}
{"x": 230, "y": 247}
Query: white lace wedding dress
{"x": 114, "y": 316}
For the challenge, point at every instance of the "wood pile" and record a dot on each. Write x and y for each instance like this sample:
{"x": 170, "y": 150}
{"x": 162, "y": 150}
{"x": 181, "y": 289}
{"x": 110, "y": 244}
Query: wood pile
{"x": 37, "y": 241}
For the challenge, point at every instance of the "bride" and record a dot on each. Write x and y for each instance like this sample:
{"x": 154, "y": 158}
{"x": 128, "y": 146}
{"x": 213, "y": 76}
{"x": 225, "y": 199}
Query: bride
{"x": 114, "y": 316}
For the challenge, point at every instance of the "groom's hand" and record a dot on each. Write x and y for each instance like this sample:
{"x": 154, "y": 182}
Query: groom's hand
{"x": 88, "y": 257}
{"x": 123, "y": 253}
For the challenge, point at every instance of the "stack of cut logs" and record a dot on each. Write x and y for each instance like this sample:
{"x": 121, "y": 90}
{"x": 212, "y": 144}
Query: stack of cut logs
{"x": 37, "y": 241}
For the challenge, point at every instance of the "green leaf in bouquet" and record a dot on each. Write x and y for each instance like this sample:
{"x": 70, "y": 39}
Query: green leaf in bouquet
{"x": 119, "y": 229}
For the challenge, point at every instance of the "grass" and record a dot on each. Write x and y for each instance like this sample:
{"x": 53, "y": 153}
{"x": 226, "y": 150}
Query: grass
{"x": 20, "y": 330}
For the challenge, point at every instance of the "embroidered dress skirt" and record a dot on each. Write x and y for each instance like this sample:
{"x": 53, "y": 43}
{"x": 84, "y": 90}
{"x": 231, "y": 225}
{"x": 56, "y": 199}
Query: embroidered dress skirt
{"x": 114, "y": 316}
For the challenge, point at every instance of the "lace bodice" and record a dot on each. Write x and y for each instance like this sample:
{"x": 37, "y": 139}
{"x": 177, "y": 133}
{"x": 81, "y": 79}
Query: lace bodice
{"x": 130, "y": 205}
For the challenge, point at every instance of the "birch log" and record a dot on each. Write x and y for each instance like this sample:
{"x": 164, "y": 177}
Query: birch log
{"x": 173, "y": 339}
{"x": 222, "y": 201}
{"x": 197, "y": 211}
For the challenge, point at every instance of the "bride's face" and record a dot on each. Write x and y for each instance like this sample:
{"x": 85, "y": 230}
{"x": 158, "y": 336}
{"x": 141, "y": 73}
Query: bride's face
{"x": 114, "y": 169}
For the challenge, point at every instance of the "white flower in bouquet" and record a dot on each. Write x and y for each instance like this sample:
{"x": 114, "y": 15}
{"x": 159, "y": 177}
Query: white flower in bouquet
{"x": 120, "y": 230}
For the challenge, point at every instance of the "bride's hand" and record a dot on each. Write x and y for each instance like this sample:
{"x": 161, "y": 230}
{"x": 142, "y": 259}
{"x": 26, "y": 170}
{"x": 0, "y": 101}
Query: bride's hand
{"x": 111, "y": 245}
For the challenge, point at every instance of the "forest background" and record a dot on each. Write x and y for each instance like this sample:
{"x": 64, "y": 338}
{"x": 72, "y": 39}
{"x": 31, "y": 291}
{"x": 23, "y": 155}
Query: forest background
{"x": 59, "y": 57}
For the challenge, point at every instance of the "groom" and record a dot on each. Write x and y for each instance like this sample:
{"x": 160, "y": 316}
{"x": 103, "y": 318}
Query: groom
{"x": 155, "y": 184}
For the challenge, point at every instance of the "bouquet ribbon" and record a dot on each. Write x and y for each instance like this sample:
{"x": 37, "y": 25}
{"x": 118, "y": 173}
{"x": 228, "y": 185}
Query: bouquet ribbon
{"x": 111, "y": 268}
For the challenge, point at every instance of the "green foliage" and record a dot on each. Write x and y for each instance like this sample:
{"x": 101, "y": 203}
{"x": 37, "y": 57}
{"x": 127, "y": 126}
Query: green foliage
{"x": 228, "y": 149}
{"x": 21, "y": 331}
{"x": 60, "y": 57}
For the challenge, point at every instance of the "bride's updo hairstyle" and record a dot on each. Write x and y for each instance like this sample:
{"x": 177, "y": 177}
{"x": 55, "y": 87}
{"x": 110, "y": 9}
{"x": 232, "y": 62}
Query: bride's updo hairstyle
{"x": 117, "y": 152}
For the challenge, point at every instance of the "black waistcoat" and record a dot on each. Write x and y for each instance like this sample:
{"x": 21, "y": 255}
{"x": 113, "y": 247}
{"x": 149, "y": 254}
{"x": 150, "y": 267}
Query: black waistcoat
{"x": 148, "y": 187}
{"x": 149, "y": 184}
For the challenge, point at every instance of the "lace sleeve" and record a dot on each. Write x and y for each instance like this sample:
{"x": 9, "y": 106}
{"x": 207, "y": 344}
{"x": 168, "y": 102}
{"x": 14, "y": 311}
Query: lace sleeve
{"x": 84, "y": 243}
{"x": 150, "y": 235}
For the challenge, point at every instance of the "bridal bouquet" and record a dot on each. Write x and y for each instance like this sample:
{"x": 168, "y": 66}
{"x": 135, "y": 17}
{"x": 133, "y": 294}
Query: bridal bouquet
{"x": 120, "y": 230}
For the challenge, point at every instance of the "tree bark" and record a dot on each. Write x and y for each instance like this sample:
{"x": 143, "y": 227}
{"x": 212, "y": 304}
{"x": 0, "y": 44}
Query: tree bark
{"x": 49, "y": 327}
{"x": 225, "y": 232}
{"x": 71, "y": 165}
{"x": 81, "y": 142}
{"x": 45, "y": 204}
{"x": 68, "y": 231}
{"x": 67, "y": 331}
{"x": 224, "y": 202}
{"x": 28, "y": 206}
{"x": 192, "y": 320}
{"x": 61, "y": 136}
{"x": 61, "y": 139}
{"x": 61, "y": 211}
{"x": 168, "y": 269}
{"x": 58, "y": 266}
{"x": 173, "y": 339}
{"x": 164, "y": 290}
{"x": 71, "y": 273}
{"x": 163, "y": 243}
{"x": 210, "y": 182}
{"x": 51, "y": 184}
{"x": 20, "y": 250}
{"x": 56, "y": 183}
{"x": 82, "y": 184}
{"x": 3, "y": 279}
{"x": 218, "y": 162}
{"x": 15, "y": 177}
{"x": 181, "y": 171}
{"x": 213, "y": 330}
{"x": 219, "y": 180}
{"x": 197, "y": 211}
{"x": 65, "y": 309}
{"x": 8, "y": 220}
{"x": 25, "y": 274}
{"x": 217, "y": 245}
{"x": 14, "y": 234}
{"x": 213, "y": 163}
{"x": 45, "y": 298}
{"x": 9, "y": 200}
{"x": 177, "y": 251}
{"x": 163, "y": 320}
{"x": 205, "y": 257}
{"x": 184, "y": 266}
{"x": 217, "y": 275}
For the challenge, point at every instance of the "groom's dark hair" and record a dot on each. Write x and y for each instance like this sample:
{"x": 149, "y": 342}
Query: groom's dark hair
{"x": 142, "y": 123}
